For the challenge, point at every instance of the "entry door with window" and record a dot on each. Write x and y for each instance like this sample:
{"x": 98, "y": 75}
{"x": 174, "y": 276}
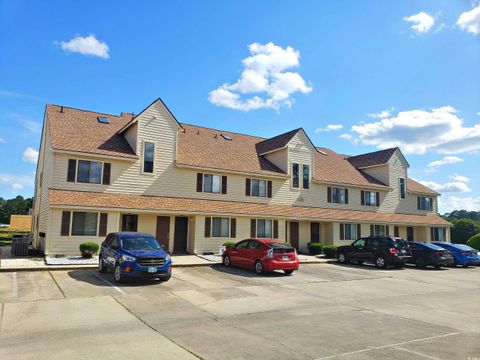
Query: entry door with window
{"x": 181, "y": 234}
{"x": 410, "y": 233}
{"x": 294, "y": 234}
{"x": 163, "y": 230}
{"x": 130, "y": 223}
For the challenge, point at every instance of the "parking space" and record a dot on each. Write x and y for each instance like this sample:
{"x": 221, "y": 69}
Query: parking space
{"x": 323, "y": 311}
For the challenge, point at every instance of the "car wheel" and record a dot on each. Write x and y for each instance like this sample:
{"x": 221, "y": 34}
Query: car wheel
{"x": 380, "y": 262}
{"x": 342, "y": 258}
{"x": 117, "y": 274}
{"x": 226, "y": 261}
{"x": 258, "y": 267}
{"x": 288, "y": 272}
{"x": 437, "y": 266}
{"x": 420, "y": 263}
{"x": 164, "y": 278}
{"x": 101, "y": 265}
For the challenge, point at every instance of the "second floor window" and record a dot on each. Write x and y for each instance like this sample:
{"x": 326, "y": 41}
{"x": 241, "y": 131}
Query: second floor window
{"x": 370, "y": 198}
{"x": 89, "y": 172}
{"x": 306, "y": 176}
{"x": 259, "y": 188}
{"x": 295, "y": 176}
{"x": 402, "y": 188}
{"x": 338, "y": 195}
{"x": 211, "y": 183}
{"x": 220, "y": 227}
{"x": 425, "y": 203}
{"x": 148, "y": 156}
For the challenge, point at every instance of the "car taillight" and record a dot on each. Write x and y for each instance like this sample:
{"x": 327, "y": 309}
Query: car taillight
{"x": 270, "y": 253}
{"x": 393, "y": 250}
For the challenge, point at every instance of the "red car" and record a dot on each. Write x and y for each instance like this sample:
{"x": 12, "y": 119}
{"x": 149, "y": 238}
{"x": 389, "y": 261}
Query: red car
{"x": 262, "y": 255}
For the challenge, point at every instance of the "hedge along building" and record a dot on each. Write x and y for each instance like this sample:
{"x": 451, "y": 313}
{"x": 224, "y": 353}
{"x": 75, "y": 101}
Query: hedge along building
{"x": 195, "y": 188}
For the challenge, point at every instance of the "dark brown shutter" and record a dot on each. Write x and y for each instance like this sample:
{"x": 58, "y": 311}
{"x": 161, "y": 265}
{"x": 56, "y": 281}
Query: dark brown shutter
{"x": 233, "y": 228}
{"x": 372, "y": 230}
{"x": 224, "y": 184}
{"x": 199, "y": 182}
{"x": 377, "y": 199}
{"x": 269, "y": 188}
{"x": 444, "y": 230}
{"x": 107, "y": 167}
{"x": 342, "y": 231}
{"x": 329, "y": 194}
{"x": 102, "y": 229}
{"x": 432, "y": 235}
{"x": 418, "y": 202}
{"x": 431, "y": 204}
{"x": 362, "y": 197}
{"x": 359, "y": 231}
{"x": 208, "y": 226}
{"x": 275, "y": 229}
{"x": 65, "y": 230}
{"x": 247, "y": 187}
{"x": 346, "y": 196}
{"x": 387, "y": 230}
{"x": 253, "y": 228}
{"x": 72, "y": 169}
{"x": 396, "y": 231}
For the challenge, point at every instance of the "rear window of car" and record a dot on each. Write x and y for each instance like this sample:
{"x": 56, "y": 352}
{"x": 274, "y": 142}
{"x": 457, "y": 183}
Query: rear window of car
{"x": 432, "y": 246}
{"x": 462, "y": 247}
{"x": 279, "y": 245}
{"x": 400, "y": 243}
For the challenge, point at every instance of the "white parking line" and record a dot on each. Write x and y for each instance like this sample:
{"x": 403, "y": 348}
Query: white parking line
{"x": 14, "y": 287}
{"x": 107, "y": 282}
{"x": 417, "y": 353}
{"x": 387, "y": 346}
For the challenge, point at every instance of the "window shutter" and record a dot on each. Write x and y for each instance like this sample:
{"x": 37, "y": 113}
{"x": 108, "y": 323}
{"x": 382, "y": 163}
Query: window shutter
{"x": 377, "y": 198}
{"x": 102, "y": 229}
{"x": 444, "y": 230}
{"x": 247, "y": 187}
{"x": 431, "y": 204}
{"x": 208, "y": 226}
{"x": 372, "y": 230}
{"x": 387, "y": 230}
{"x": 342, "y": 231}
{"x": 362, "y": 197}
{"x": 199, "y": 182}
{"x": 329, "y": 194}
{"x": 224, "y": 184}
{"x": 275, "y": 229}
{"x": 253, "y": 228}
{"x": 72, "y": 169}
{"x": 396, "y": 231}
{"x": 65, "y": 229}
{"x": 359, "y": 231}
{"x": 418, "y": 202}
{"x": 432, "y": 234}
{"x": 346, "y": 196}
{"x": 233, "y": 228}
{"x": 107, "y": 167}
{"x": 269, "y": 188}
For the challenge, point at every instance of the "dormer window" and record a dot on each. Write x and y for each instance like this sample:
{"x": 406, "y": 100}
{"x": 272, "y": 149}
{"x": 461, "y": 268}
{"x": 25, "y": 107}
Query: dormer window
{"x": 306, "y": 176}
{"x": 402, "y": 188}
{"x": 148, "y": 157}
{"x": 295, "y": 176}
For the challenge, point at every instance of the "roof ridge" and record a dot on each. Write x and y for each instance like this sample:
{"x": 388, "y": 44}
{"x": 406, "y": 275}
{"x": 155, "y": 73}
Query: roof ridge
{"x": 89, "y": 111}
{"x": 375, "y": 152}
{"x": 225, "y": 131}
{"x": 283, "y": 134}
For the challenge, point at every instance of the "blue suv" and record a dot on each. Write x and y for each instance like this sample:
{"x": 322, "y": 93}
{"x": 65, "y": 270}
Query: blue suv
{"x": 132, "y": 255}
{"x": 462, "y": 254}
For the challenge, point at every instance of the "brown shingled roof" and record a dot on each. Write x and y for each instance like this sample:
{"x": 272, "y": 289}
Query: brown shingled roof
{"x": 414, "y": 186}
{"x": 79, "y": 130}
{"x": 371, "y": 159}
{"x": 68, "y": 198}
{"x": 276, "y": 142}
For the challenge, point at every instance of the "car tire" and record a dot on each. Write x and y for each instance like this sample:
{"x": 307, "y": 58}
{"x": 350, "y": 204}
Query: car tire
{"x": 380, "y": 262}
{"x": 288, "y": 272}
{"x": 258, "y": 267}
{"x": 164, "y": 278}
{"x": 226, "y": 261}
{"x": 101, "y": 265}
{"x": 342, "y": 258}
{"x": 420, "y": 263}
{"x": 117, "y": 274}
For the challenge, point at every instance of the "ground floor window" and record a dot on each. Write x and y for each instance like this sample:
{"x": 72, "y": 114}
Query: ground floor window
{"x": 84, "y": 223}
{"x": 130, "y": 222}
{"x": 351, "y": 232}
{"x": 438, "y": 234}
{"x": 379, "y": 230}
{"x": 264, "y": 229}
{"x": 220, "y": 227}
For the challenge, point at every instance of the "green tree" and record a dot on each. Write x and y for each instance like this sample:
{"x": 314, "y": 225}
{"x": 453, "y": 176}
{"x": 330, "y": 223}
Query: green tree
{"x": 463, "y": 230}
{"x": 17, "y": 206}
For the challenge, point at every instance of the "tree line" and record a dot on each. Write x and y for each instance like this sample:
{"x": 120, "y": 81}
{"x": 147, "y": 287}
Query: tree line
{"x": 17, "y": 206}
{"x": 465, "y": 224}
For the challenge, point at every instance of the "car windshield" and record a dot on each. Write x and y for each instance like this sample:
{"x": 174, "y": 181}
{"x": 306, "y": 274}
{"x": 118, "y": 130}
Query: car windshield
{"x": 139, "y": 243}
{"x": 279, "y": 245}
{"x": 432, "y": 246}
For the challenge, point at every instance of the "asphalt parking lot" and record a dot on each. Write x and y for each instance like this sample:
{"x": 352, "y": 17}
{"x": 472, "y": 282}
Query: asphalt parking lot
{"x": 324, "y": 311}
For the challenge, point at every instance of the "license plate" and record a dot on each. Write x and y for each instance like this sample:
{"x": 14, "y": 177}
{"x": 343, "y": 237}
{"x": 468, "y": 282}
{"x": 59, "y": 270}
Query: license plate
{"x": 284, "y": 257}
{"x": 152, "y": 269}
{"x": 402, "y": 251}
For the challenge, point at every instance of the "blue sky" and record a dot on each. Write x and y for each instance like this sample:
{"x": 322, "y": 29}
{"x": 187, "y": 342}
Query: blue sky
{"x": 380, "y": 73}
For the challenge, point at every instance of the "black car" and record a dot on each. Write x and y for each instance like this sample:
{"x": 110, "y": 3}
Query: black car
{"x": 427, "y": 254}
{"x": 383, "y": 251}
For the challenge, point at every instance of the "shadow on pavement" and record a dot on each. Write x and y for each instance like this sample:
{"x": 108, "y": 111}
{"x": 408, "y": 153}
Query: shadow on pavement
{"x": 95, "y": 278}
{"x": 246, "y": 273}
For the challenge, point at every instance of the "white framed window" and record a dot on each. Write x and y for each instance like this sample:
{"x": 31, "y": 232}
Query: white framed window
{"x": 264, "y": 228}
{"x": 148, "y": 157}
{"x": 379, "y": 230}
{"x": 438, "y": 234}
{"x": 220, "y": 227}
{"x": 89, "y": 172}
{"x": 306, "y": 176}
{"x": 259, "y": 188}
{"x": 211, "y": 183}
{"x": 338, "y": 196}
{"x": 370, "y": 198}
{"x": 295, "y": 175}
{"x": 84, "y": 223}
{"x": 351, "y": 232}
{"x": 425, "y": 203}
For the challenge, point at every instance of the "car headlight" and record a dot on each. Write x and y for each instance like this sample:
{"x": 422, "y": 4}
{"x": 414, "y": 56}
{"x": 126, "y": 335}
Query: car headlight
{"x": 128, "y": 258}
{"x": 168, "y": 257}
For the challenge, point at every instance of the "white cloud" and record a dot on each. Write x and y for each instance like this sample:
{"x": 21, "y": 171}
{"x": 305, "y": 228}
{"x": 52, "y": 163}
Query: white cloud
{"x": 461, "y": 178}
{"x": 30, "y": 155}
{"x": 2, "y": 141}
{"x": 264, "y": 72}
{"x": 447, "y": 160}
{"x": 88, "y": 45}
{"x": 346, "y": 136}
{"x": 16, "y": 182}
{"x": 33, "y": 126}
{"x": 470, "y": 21}
{"x": 418, "y": 131}
{"x": 328, "y": 128}
{"x": 455, "y": 186}
{"x": 381, "y": 115}
{"x": 423, "y": 22}
{"x": 450, "y": 203}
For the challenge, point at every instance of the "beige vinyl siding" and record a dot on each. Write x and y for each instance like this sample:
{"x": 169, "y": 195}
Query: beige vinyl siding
{"x": 380, "y": 173}
{"x": 279, "y": 158}
{"x": 131, "y": 135}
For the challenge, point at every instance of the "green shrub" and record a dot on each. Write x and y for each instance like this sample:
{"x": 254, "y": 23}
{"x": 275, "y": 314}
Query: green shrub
{"x": 315, "y": 248}
{"x": 88, "y": 249}
{"x": 474, "y": 242}
{"x": 330, "y": 251}
{"x": 229, "y": 243}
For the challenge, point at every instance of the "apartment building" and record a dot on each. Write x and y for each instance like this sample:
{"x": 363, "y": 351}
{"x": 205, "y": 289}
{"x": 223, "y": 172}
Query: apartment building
{"x": 195, "y": 188}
